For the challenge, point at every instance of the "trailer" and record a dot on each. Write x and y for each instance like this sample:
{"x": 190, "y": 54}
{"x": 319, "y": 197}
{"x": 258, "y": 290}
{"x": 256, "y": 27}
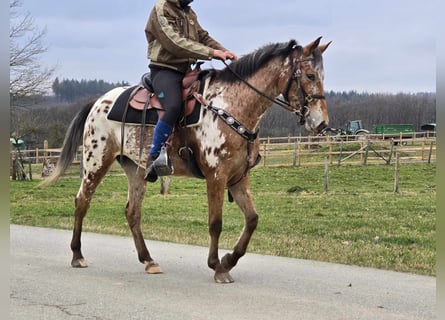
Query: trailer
{"x": 394, "y": 130}
{"x": 398, "y": 132}
{"x": 355, "y": 129}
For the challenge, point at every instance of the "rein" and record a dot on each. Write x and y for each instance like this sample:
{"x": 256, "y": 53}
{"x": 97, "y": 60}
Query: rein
{"x": 281, "y": 103}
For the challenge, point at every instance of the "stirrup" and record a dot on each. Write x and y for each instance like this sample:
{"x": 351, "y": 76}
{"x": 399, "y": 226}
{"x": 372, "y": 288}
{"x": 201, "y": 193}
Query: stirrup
{"x": 150, "y": 174}
{"x": 162, "y": 165}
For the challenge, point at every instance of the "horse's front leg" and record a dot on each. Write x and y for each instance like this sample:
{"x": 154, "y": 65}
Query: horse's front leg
{"x": 215, "y": 196}
{"x": 243, "y": 198}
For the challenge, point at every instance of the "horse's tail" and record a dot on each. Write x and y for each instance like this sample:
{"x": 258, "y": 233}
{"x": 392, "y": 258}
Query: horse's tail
{"x": 73, "y": 139}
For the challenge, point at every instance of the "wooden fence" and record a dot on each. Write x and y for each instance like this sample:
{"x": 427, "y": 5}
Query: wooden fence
{"x": 371, "y": 149}
{"x": 304, "y": 151}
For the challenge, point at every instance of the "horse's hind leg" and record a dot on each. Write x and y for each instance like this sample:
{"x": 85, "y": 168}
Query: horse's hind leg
{"x": 90, "y": 181}
{"x": 82, "y": 203}
{"x": 133, "y": 210}
{"x": 242, "y": 196}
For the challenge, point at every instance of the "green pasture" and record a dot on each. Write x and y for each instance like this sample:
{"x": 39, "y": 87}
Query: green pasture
{"x": 359, "y": 221}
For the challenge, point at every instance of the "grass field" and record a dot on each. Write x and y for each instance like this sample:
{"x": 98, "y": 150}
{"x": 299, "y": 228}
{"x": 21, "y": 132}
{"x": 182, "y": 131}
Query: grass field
{"x": 360, "y": 221}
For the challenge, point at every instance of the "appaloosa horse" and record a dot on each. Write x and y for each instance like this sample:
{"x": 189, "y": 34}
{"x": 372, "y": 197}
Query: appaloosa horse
{"x": 225, "y": 144}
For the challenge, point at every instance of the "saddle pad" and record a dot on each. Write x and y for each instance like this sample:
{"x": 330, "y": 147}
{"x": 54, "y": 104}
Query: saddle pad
{"x": 134, "y": 117}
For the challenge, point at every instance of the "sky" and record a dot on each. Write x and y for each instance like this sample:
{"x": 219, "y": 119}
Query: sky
{"x": 378, "y": 46}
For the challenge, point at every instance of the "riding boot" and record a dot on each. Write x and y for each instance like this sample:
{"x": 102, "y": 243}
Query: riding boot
{"x": 150, "y": 173}
{"x": 161, "y": 133}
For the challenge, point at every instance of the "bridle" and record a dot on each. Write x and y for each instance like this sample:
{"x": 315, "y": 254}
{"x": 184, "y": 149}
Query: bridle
{"x": 301, "y": 110}
{"x": 295, "y": 76}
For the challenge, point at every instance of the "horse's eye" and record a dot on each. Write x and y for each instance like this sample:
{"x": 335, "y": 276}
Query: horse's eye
{"x": 311, "y": 77}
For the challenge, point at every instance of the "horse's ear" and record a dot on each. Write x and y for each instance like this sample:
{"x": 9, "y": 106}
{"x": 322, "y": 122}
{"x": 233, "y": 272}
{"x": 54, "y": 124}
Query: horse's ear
{"x": 311, "y": 47}
{"x": 323, "y": 47}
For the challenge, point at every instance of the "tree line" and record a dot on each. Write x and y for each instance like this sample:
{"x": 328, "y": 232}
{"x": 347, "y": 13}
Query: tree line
{"x": 73, "y": 90}
{"x": 48, "y": 118}
{"x": 372, "y": 108}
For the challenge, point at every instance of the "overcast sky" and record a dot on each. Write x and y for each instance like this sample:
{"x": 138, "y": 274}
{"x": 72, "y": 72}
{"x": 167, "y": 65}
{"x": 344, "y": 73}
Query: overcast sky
{"x": 378, "y": 45}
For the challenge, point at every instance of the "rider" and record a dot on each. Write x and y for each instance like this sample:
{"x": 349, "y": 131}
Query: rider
{"x": 175, "y": 42}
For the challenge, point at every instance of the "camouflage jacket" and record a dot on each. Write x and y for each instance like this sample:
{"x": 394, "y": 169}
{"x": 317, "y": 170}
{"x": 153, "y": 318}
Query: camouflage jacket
{"x": 175, "y": 38}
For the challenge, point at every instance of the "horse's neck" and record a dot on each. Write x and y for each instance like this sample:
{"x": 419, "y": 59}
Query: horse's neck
{"x": 247, "y": 105}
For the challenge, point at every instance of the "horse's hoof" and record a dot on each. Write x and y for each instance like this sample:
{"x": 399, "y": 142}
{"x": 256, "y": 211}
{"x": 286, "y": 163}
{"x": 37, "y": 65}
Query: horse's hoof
{"x": 79, "y": 263}
{"x": 153, "y": 268}
{"x": 223, "y": 277}
{"x": 226, "y": 262}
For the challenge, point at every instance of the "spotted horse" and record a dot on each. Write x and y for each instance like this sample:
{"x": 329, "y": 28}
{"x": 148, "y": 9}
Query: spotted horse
{"x": 225, "y": 144}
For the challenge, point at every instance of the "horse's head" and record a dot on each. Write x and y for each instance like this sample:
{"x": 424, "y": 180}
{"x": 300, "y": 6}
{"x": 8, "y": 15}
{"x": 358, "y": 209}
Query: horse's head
{"x": 304, "y": 89}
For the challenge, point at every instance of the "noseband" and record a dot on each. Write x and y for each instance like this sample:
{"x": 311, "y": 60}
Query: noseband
{"x": 295, "y": 76}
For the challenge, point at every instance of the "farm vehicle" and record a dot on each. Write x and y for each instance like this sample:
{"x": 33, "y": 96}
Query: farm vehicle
{"x": 355, "y": 129}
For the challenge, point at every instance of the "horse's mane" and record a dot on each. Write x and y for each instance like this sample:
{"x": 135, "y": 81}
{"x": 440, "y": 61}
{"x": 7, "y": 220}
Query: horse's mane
{"x": 250, "y": 63}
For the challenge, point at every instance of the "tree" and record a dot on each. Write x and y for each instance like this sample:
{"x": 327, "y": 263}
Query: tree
{"x": 27, "y": 76}
{"x": 74, "y": 90}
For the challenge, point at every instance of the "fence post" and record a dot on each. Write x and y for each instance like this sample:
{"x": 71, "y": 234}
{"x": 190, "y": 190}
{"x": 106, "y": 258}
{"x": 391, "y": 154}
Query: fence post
{"x": 30, "y": 170}
{"x": 341, "y": 152}
{"x": 326, "y": 175}
{"x": 329, "y": 140}
{"x": 264, "y": 155}
{"x": 391, "y": 152}
{"x": 45, "y": 150}
{"x": 430, "y": 153}
{"x": 299, "y": 152}
{"x": 165, "y": 185}
{"x": 294, "y": 161}
{"x": 396, "y": 174}
{"x": 365, "y": 161}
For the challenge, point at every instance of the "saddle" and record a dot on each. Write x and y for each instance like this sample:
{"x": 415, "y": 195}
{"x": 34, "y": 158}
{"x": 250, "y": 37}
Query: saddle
{"x": 139, "y": 104}
{"x": 143, "y": 95}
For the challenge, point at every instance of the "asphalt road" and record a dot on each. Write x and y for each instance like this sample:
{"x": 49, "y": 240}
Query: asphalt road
{"x": 114, "y": 286}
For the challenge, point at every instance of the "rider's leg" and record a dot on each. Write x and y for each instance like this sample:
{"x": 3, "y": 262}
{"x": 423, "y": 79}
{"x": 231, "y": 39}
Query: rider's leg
{"x": 160, "y": 135}
{"x": 167, "y": 84}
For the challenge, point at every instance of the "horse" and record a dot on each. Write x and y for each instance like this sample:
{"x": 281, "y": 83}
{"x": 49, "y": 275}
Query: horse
{"x": 225, "y": 145}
